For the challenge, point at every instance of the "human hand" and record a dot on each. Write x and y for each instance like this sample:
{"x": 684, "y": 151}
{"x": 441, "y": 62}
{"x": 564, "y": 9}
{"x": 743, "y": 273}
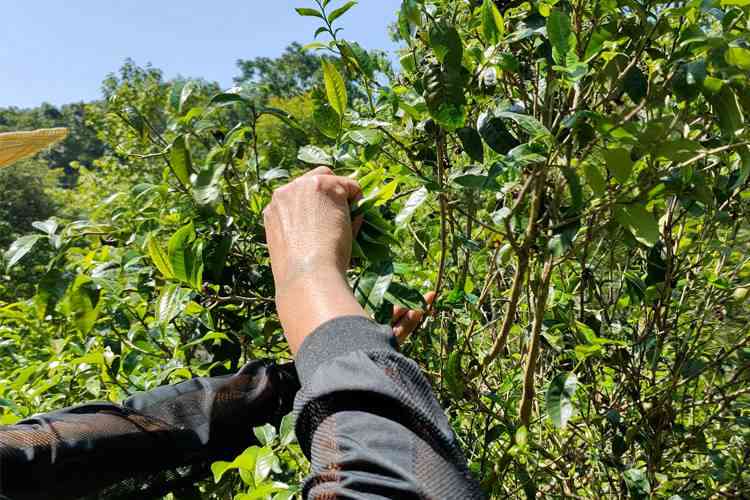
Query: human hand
{"x": 308, "y": 226}
{"x": 406, "y": 321}
{"x": 309, "y": 233}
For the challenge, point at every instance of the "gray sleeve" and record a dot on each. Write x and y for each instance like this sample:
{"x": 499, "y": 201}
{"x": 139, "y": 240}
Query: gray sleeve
{"x": 369, "y": 421}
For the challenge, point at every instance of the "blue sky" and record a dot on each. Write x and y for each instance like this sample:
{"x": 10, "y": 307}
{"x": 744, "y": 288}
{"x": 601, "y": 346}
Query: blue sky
{"x": 59, "y": 51}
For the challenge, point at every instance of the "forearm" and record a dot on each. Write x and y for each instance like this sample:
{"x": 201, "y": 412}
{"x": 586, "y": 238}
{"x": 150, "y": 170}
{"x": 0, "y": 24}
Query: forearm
{"x": 139, "y": 444}
{"x": 312, "y": 298}
{"x": 369, "y": 422}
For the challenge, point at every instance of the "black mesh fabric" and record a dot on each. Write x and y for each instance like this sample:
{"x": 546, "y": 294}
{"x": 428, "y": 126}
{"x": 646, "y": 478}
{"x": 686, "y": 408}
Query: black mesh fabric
{"x": 155, "y": 442}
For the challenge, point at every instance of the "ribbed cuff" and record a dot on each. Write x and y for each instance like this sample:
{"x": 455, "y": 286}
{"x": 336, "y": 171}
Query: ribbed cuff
{"x": 338, "y": 337}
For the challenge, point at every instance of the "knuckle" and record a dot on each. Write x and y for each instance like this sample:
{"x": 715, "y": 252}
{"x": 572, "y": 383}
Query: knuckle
{"x": 318, "y": 183}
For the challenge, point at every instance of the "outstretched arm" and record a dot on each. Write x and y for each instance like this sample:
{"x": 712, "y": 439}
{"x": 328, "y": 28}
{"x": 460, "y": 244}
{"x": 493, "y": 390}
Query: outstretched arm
{"x": 154, "y": 443}
{"x": 366, "y": 416}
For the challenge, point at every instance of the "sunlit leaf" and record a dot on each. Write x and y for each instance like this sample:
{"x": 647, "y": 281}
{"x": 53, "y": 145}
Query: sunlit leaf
{"x": 19, "y": 248}
{"x": 559, "y": 398}
{"x": 335, "y": 88}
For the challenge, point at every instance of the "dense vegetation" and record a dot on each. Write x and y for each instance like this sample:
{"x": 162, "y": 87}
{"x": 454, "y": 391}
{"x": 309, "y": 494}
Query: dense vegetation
{"x": 571, "y": 177}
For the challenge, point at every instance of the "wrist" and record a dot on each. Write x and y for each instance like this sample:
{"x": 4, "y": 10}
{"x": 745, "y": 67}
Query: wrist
{"x": 308, "y": 299}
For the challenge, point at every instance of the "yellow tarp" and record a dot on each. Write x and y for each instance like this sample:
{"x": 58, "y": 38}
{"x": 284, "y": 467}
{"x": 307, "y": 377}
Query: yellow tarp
{"x": 16, "y": 146}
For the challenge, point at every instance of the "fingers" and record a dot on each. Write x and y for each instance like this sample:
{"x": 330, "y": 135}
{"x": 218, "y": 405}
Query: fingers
{"x": 329, "y": 180}
{"x": 357, "y": 224}
{"x": 405, "y": 321}
{"x": 318, "y": 171}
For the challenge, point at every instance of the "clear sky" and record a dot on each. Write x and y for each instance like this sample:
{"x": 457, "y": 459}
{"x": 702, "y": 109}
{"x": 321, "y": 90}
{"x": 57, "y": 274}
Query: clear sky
{"x": 59, "y": 51}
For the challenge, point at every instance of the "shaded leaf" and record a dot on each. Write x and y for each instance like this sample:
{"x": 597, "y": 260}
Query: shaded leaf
{"x": 619, "y": 163}
{"x": 495, "y": 133}
{"x": 639, "y": 222}
{"x": 596, "y": 181}
{"x": 404, "y": 296}
{"x": 472, "y": 143}
{"x": 636, "y": 84}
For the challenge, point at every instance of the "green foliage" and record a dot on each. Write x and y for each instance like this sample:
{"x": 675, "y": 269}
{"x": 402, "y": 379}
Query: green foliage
{"x": 570, "y": 177}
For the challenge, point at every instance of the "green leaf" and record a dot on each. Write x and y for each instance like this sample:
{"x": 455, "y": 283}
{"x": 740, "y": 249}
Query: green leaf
{"x": 559, "y": 398}
{"x": 304, "y": 11}
{"x": 335, "y": 88}
{"x": 159, "y": 258}
{"x": 48, "y": 227}
{"x": 19, "y": 248}
{"x": 262, "y": 492}
{"x": 493, "y": 25}
{"x": 495, "y": 133}
{"x": 185, "y": 94}
{"x": 476, "y": 178}
{"x": 619, "y": 163}
{"x": 180, "y": 253}
{"x": 282, "y": 115}
{"x": 596, "y": 181}
{"x": 245, "y": 461}
{"x": 560, "y": 35}
{"x": 454, "y": 375}
{"x": 265, "y": 434}
{"x": 315, "y": 156}
{"x": 171, "y": 303}
{"x": 82, "y": 303}
{"x": 446, "y": 43}
{"x": 327, "y": 120}
{"x": 637, "y": 483}
{"x": 639, "y": 222}
{"x": 275, "y": 174}
{"x": 636, "y": 84}
{"x": 406, "y": 297}
{"x": 207, "y": 185}
{"x": 739, "y": 3}
{"x": 412, "y": 203}
{"x": 228, "y": 98}
{"x": 373, "y": 285}
{"x": 528, "y": 123}
{"x": 472, "y": 143}
{"x": 179, "y": 160}
{"x": 263, "y": 464}
{"x": 340, "y": 11}
{"x": 174, "y": 95}
{"x": 728, "y": 111}
{"x": 286, "y": 430}
{"x": 738, "y": 56}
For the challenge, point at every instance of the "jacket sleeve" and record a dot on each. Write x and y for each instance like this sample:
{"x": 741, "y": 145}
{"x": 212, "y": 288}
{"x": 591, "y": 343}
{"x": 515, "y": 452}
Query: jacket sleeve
{"x": 368, "y": 420}
{"x": 155, "y": 442}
